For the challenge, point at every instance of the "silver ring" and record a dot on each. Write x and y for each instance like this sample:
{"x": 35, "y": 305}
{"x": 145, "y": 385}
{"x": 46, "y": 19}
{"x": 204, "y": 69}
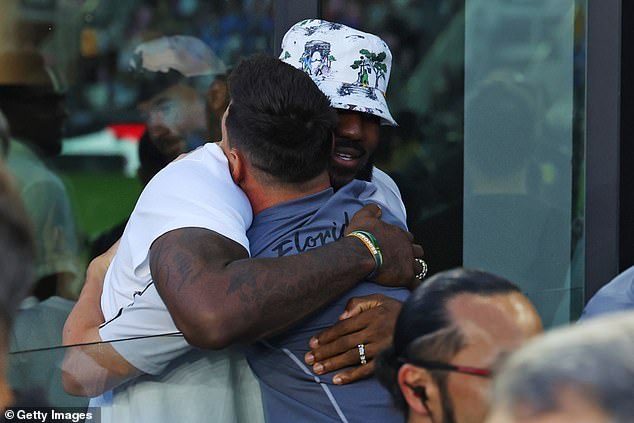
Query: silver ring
{"x": 362, "y": 358}
{"x": 423, "y": 268}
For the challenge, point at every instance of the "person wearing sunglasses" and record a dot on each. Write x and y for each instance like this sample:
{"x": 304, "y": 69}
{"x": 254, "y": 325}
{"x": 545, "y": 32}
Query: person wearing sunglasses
{"x": 451, "y": 334}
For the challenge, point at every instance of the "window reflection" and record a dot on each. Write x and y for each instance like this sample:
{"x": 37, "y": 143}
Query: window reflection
{"x": 85, "y": 49}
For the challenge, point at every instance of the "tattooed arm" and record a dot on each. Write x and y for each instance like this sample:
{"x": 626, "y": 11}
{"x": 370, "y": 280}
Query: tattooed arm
{"x": 217, "y": 295}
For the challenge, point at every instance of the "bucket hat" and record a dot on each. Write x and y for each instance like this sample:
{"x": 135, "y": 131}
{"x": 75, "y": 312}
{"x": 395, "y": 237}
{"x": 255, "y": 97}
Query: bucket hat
{"x": 350, "y": 66}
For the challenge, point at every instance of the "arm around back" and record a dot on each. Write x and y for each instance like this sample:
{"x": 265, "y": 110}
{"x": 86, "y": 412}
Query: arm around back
{"x": 218, "y": 296}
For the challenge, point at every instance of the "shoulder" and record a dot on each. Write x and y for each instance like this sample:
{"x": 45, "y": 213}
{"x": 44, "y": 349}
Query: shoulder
{"x": 201, "y": 176}
{"x": 208, "y": 161}
{"x": 383, "y": 180}
{"x": 616, "y": 295}
{"x": 30, "y": 171}
{"x": 387, "y": 194}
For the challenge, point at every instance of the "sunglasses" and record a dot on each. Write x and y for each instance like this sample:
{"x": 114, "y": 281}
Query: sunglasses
{"x": 437, "y": 365}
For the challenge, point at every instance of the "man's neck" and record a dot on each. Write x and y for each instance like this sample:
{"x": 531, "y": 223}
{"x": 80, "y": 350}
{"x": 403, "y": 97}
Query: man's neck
{"x": 265, "y": 195}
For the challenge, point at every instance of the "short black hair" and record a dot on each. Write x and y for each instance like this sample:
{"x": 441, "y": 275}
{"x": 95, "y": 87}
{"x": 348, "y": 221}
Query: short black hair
{"x": 280, "y": 119}
{"x": 425, "y": 314}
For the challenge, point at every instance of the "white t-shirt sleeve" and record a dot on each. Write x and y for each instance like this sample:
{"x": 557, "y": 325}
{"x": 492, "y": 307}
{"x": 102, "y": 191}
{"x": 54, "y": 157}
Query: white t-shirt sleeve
{"x": 387, "y": 194}
{"x": 145, "y": 334}
{"x": 196, "y": 191}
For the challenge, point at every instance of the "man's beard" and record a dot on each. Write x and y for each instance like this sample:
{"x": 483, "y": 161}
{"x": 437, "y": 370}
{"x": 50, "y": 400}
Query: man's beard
{"x": 365, "y": 173}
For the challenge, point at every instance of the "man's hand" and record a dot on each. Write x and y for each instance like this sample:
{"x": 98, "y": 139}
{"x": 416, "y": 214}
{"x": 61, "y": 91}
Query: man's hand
{"x": 397, "y": 247}
{"x": 368, "y": 320}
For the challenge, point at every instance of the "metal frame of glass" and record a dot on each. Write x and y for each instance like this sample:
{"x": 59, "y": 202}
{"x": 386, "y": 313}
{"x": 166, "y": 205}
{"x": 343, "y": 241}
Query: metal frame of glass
{"x": 602, "y": 143}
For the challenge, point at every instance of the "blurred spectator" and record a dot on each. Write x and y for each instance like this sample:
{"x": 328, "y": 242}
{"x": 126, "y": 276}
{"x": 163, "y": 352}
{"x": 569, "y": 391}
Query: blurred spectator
{"x": 581, "y": 373}
{"x": 16, "y": 278}
{"x": 38, "y": 326}
{"x": 617, "y": 295}
{"x": 182, "y": 92}
{"x": 35, "y": 112}
{"x": 452, "y": 332}
{"x": 35, "y": 327}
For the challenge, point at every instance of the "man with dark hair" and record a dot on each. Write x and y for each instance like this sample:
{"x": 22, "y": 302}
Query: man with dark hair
{"x": 451, "y": 333}
{"x": 353, "y": 69}
{"x": 310, "y": 215}
{"x": 582, "y": 373}
{"x": 187, "y": 235}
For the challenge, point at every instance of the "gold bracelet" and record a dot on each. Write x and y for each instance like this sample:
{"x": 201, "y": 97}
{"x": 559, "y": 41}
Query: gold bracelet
{"x": 370, "y": 242}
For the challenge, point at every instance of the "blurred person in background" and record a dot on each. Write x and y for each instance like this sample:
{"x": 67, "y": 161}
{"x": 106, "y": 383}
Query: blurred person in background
{"x": 183, "y": 92}
{"x": 33, "y": 106}
{"x": 37, "y": 325}
{"x": 616, "y": 295}
{"x": 16, "y": 279}
{"x": 182, "y": 96}
{"x": 452, "y": 332}
{"x": 582, "y": 373}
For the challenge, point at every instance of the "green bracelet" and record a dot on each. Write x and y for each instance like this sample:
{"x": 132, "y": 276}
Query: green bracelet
{"x": 373, "y": 246}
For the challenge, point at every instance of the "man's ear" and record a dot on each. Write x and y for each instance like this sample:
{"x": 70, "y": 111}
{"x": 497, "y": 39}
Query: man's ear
{"x": 236, "y": 165}
{"x": 419, "y": 389}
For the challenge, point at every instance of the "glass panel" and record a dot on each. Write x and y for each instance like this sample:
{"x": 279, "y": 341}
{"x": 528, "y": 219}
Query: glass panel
{"x": 523, "y": 113}
{"x": 216, "y": 384}
{"x": 507, "y": 78}
{"x": 71, "y": 60}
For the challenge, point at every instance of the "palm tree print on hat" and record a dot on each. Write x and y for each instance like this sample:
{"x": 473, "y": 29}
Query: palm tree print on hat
{"x": 367, "y": 62}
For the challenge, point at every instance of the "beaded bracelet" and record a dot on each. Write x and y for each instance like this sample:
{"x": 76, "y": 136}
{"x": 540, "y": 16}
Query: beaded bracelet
{"x": 373, "y": 246}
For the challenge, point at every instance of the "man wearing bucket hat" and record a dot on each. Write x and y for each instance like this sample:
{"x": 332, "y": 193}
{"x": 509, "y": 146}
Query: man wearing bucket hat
{"x": 353, "y": 69}
{"x": 182, "y": 90}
